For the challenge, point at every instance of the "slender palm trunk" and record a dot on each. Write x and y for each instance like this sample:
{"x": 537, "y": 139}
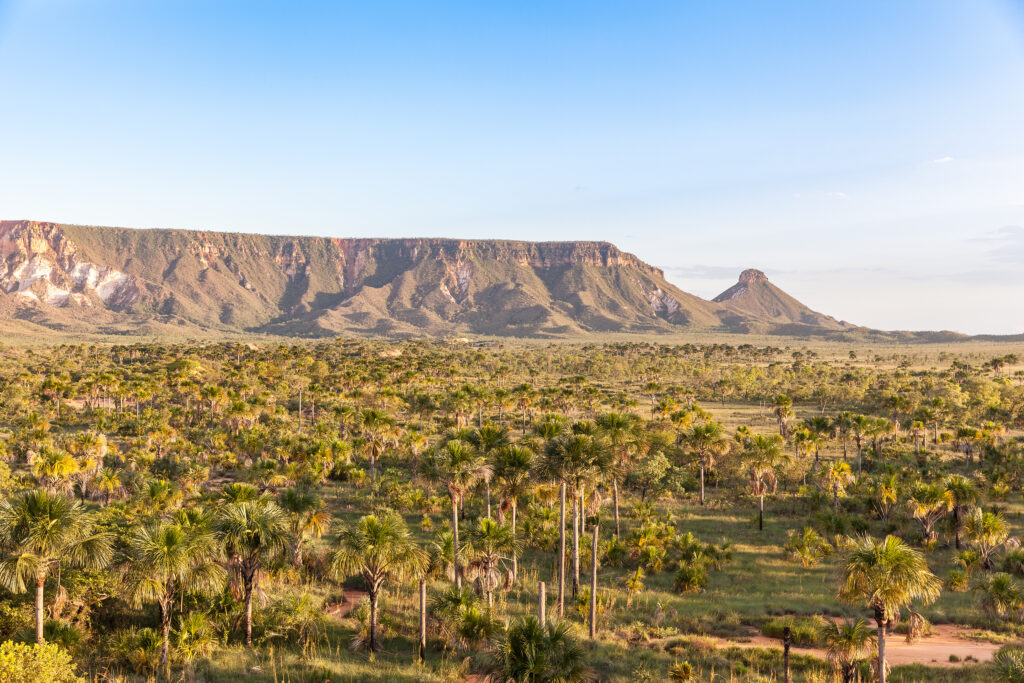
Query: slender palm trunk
{"x": 40, "y": 582}
{"x": 423, "y": 621}
{"x": 760, "y": 513}
{"x": 487, "y": 493}
{"x": 575, "y": 546}
{"x": 956, "y": 525}
{"x": 165, "y": 648}
{"x": 881, "y": 646}
{"x": 515, "y": 555}
{"x": 593, "y": 585}
{"x": 373, "y": 622}
{"x": 248, "y": 611}
{"x": 455, "y": 543}
{"x": 615, "y": 504}
{"x": 561, "y": 551}
{"x": 702, "y": 484}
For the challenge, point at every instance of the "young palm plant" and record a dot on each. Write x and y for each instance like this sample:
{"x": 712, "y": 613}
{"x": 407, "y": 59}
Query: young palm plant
{"x": 532, "y": 653}
{"x": 491, "y": 544}
{"x": 380, "y": 549}
{"x": 986, "y": 533}
{"x": 846, "y": 644}
{"x": 1000, "y": 596}
{"x": 39, "y": 532}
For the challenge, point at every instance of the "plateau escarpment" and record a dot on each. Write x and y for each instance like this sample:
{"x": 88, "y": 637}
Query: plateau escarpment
{"x": 67, "y": 277}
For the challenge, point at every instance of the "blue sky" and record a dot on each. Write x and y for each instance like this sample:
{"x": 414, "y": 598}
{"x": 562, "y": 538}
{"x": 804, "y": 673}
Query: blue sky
{"x": 869, "y": 156}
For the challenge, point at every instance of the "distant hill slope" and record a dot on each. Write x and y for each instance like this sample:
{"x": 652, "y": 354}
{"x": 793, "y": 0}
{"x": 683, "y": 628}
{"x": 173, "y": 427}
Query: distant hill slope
{"x": 73, "y": 279}
{"x": 759, "y": 303}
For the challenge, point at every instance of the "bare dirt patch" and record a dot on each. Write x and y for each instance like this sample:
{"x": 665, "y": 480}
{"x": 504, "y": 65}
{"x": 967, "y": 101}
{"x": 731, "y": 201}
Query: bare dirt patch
{"x": 932, "y": 650}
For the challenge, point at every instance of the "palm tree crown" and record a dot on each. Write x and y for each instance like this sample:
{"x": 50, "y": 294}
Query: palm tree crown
{"x": 378, "y": 548}
{"x": 39, "y": 531}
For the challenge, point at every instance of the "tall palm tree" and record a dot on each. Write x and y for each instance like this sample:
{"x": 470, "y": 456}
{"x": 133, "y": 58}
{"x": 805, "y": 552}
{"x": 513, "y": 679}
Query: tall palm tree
{"x": 109, "y": 484}
{"x": 836, "y": 476}
{"x": 620, "y": 429}
{"x": 39, "y": 532}
{"x": 532, "y": 653}
{"x": 927, "y": 504}
{"x": 491, "y": 543}
{"x": 253, "y": 532}
{"x": 458, "y": 466}
{"x": 783, "y": 409}
{"x": 376, "y": 427}
{"x": 573, "y": 460}
{"x": 379, "y": 548}
{"x": 886, "y": 576}
{"x": 55, "y": 470}
{"x": 846, "y": 644}
{"x": 166, "y": 560}
{"x": 764, "y": 454}
{"x": 861, "y": 426}
{"x": 707, "y": 442}
{"x": 962, "y": 494}
{"x": 842, "y": 424}
{"x": 488, "y": 439}
{"x": 306, "y": 517}
{"x": 512, "y": 468}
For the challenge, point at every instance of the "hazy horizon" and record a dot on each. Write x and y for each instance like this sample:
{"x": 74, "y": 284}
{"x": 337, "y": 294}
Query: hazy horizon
{"x": 869, "y": 158}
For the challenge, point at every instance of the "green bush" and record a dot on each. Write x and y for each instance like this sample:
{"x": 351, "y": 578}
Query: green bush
{"x": 957, "y": 581}
{"x": 691, "y": 578}
{"x": 21, "y": 663}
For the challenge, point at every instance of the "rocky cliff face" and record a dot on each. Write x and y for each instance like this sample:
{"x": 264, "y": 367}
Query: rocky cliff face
{"x": 74, "y": 277}
{"x": 40, "y": 264}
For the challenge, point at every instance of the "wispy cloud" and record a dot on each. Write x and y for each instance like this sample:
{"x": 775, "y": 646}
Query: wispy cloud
{"x": 1008, "y": 245}
{"x": 837, "y": 195}
{"x": 942, "y": 160}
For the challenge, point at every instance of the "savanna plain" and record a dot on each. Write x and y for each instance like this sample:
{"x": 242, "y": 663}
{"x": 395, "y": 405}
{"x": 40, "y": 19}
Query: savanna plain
{"x": 266, "y": 511}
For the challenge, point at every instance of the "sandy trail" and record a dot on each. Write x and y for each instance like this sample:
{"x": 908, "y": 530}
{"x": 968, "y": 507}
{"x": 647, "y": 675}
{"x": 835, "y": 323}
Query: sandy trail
{"x": 932, "y": 650}
{"x": 352, "y": 598}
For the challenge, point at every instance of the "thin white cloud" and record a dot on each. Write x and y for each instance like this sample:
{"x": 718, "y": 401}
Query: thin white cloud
{"x": 942, "y": 160}
{"x": 837, "y": 195}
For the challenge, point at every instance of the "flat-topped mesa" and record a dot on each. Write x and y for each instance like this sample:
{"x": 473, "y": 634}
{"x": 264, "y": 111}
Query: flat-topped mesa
{"x": 752, "y": 275}
{"x": 533, "y": 254}
{"x": 82, "y": 278}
